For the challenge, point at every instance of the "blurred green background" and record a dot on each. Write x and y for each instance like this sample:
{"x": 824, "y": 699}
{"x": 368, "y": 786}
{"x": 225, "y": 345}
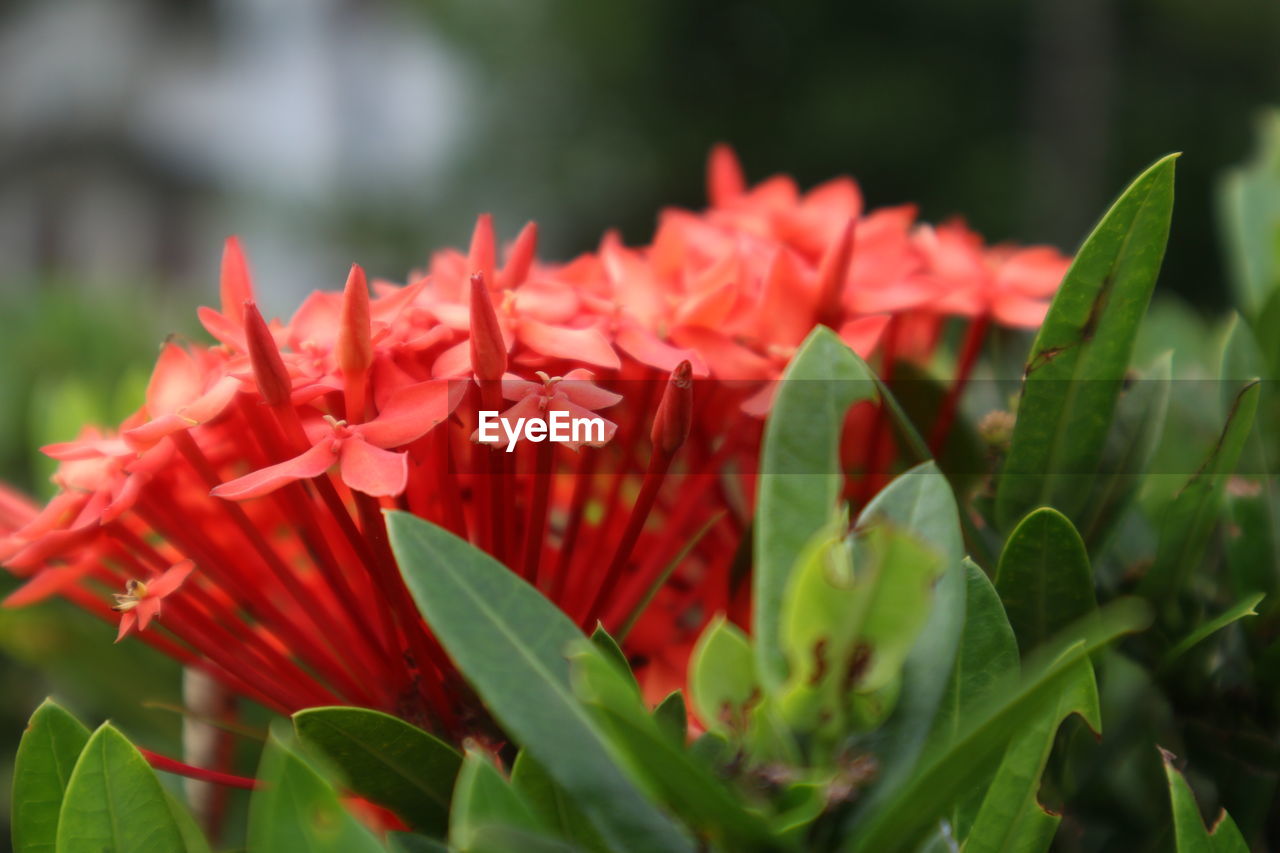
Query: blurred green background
{"x": 136, "y": 134}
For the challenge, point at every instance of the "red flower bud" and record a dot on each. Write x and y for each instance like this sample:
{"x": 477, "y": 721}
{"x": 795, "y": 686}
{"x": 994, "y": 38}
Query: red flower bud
{"x": 521, "y": 257}
{"x": 675, "y": 412}
{"x": 725, "y": 181}
{"x": 355, "y": 349}
{"x": 268, "y": 367}
{"x": 482, "y": 257}
{"x": 833, "y": 272}
{"x": 235, "y": 286}
{"x": 488, "y": 348}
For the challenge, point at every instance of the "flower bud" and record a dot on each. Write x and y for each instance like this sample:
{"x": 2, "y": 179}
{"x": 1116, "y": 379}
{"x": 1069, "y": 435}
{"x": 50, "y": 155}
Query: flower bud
{"x": 269, "y": 371}
{"x": 355, "y": 348}
{"x": 488, "y": 348}
{"x": 234, "y": 284}
{"x": 674, "y": 418}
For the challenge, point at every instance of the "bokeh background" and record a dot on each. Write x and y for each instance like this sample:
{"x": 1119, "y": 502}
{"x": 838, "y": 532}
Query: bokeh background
{"x": 136, "y": 134}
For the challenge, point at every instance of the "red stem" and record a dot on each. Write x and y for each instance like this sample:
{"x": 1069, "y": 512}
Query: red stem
{"x": 172, "y": 765}
{"x": 969, "y": 351}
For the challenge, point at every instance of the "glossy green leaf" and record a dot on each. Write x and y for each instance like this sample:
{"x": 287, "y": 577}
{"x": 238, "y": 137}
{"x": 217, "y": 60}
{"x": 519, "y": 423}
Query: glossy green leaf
{"x": 902, "y": 818}
{"x": 687, "y": 787}
{"x": 1189, "y": 519}
{"x": 986, "y": 666}
{"x": 1044, "y": 577}
{"x": 673, "y": 717}
{"x": 1244, "y": 607}
{"x": 798, "y": 807}
{"x": 800, "y": 475}
{"x": 1011, "y": 817}
{"x": 296, "y": 810}
{"x": 722, "y": 677}
{"x": 114, "y": 802}
{"x": 852, "y": 613}
{"x": 412, "y": 842}
{"x": 1078, "y": 361}
{"x": 510, "y": 644}
{"x": 1141, "y": 412}
{"x": 496, "y": 838}
{"x": 1249, "y": 210}
{"x": 46, "y": 755}
{"x": 192, "y": 836}
{"x": 1189, "y": 830}
{"x": 482, "y": 797}
{"x": 920, "y": 502}
{"x": 386, "y": 760}
{"x": 987, "y": 660}
{"x": 553, "y": 806}
{"x": 609, "y": 647}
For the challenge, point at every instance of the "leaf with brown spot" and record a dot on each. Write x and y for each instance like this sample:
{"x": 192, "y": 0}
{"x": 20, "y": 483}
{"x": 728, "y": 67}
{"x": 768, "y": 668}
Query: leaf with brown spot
{"x": 1077, "y": 364}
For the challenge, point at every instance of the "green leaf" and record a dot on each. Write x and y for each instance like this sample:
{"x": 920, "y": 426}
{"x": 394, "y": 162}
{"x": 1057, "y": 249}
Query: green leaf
{"x": 1078, "y": 361}
{"x": 986, "y": 666}
{"x": 902, "y": 818}
{"x": 1189, "y": 829}
{"x": 852, "y": 614}
{"x": 672, "y": 715}
{"x": 46, "y": 755}
{"x": 609, "y": 647}
{"x": 387, "y": 761}
{"x": 1139, "y": 425}
{"x": 495, "y": 838}
{"x": 114, "y": 802}
{"x": 1244, "y": 607}
{"x": 987, "y": 660}
{"x": 686, "y": 786}
{"x": 192, "y": 836}
{"x": 722, "y": 678}
{"x": 482, "y": 797}
{"x": 1188, "y": 520}
{"x": 552, "y": 805}
{"x": 1011, "y": 817}
{"x": 510, "y": 643}
{"x": 1249, "y": 210}
{"x": 1044, "y": 577}
{"x": 800, "y": 475}
{"x": 296, "y": 810}
{"x": 410, "y": 842}
{"x": 921, "y": 501}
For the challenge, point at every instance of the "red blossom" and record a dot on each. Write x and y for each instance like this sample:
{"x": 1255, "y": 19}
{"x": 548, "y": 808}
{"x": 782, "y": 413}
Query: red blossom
{"x": 245, "y": 493}
{"x": 141, "y": 600}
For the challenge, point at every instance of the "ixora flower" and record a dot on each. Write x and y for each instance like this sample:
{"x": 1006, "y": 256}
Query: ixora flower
{"x": 246, "y": 494}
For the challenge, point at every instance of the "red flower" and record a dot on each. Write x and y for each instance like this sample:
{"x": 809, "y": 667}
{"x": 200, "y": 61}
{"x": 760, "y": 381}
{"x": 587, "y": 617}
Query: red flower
{"x": 246, "y": 492}
{"x": 140, "y": 602}
{"x": 362, "y": 451}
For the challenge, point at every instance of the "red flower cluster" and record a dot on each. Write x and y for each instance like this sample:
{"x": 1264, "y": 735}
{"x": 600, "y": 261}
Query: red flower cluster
{"x": 246, "y": 493}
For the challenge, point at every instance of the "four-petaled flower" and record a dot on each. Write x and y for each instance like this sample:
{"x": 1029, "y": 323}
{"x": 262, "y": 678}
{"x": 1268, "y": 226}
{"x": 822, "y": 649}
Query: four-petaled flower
{"x": 140, "y": 602}
{"x": 362, "y": 451}
{"x": 574, "y": 394}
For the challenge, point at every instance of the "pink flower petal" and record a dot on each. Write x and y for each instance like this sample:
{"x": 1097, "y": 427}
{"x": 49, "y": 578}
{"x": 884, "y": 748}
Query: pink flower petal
{"x": 586, "y": 345}
{"x": 170, "y": 580}
{"x": 578, "y": 387}
{"x": 147, "y": 609}
{"x": 648, "y": 349}
{"x": 127, "y": 622}
{"x": 413, "y": 411}
{"x": 863, "y": 334}
{"x": 453, "y": 362}
{"x": 313, "y": 463}
{"x": 372, "y": 470}
{"x": 175, "y": 381}
{"x": 222, "y": 328}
